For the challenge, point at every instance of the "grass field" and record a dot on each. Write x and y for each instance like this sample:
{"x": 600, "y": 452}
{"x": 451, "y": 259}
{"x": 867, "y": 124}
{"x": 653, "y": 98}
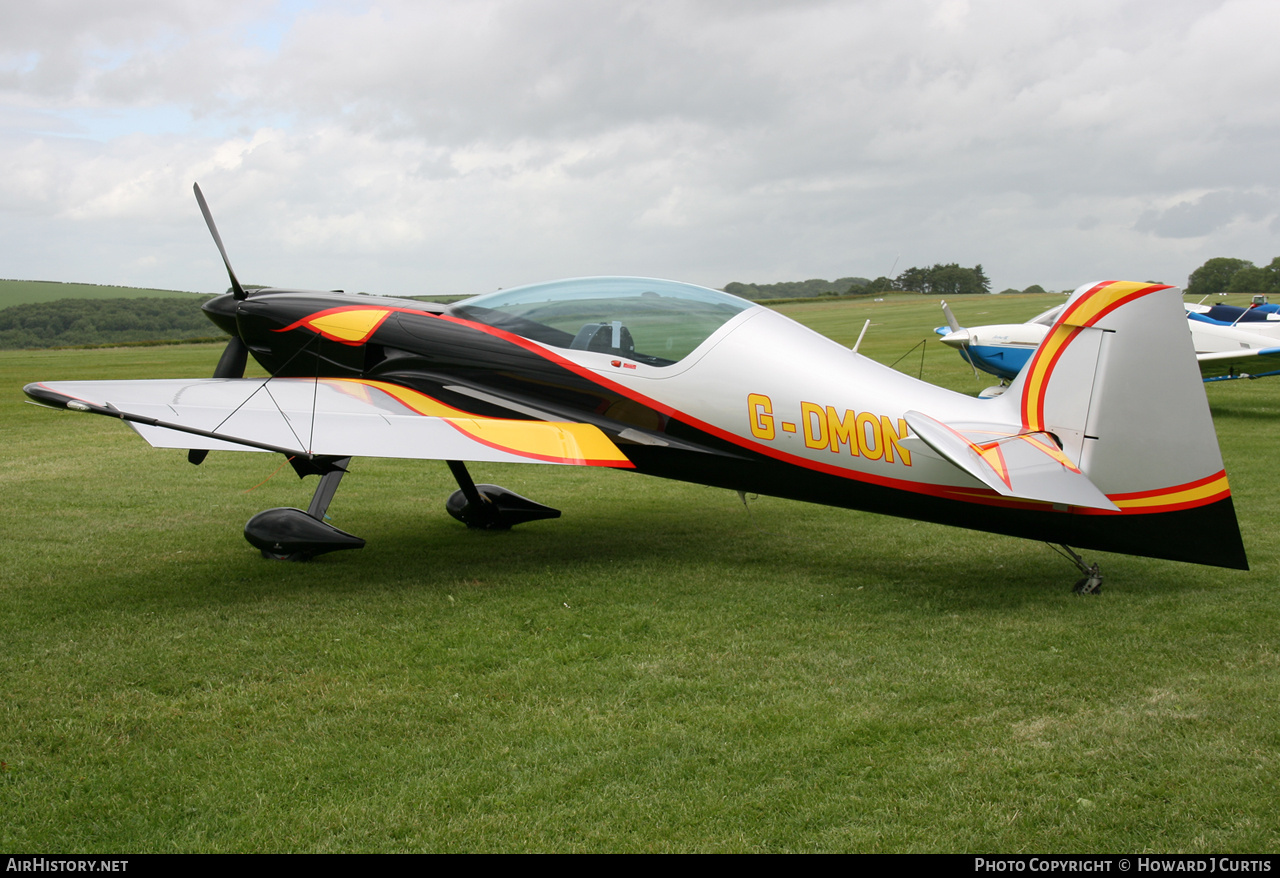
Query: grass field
{"x": 661, "y": 669}
{"x": 20, "y": 292}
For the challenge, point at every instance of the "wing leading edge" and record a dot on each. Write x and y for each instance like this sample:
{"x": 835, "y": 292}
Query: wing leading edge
{"x": 1228, "y": 365}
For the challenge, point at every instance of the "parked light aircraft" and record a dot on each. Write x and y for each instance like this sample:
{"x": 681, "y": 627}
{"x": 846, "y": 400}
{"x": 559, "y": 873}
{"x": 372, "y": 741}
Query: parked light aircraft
{"x": 1104, "y": 441}
{"x": 1223, "y": 351}
{"x": 1261, "y": 317}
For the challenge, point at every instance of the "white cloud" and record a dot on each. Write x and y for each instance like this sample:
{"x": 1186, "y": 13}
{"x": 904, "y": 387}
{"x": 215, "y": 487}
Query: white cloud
{"x": 432, "y": 147}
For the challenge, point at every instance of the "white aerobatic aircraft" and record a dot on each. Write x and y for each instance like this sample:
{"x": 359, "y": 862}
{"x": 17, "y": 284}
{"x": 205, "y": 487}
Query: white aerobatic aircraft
{"x": 1102, "y": 441}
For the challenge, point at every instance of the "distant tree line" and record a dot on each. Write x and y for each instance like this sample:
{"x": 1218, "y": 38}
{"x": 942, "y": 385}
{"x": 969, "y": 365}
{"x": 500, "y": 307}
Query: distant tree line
{"x": 103, "y": 321}
{"x": 1225, "y": 275}
{"x": 940, "y": 280}
{"x": 797, "y": 289}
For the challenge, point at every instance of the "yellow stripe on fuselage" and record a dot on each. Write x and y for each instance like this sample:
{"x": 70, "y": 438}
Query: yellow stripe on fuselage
{"x": 350, "y": 324}
{"x": 1175, "y": 496}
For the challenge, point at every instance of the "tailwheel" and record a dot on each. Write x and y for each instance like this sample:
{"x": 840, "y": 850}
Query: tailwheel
{"x": 1091, "y": 584}
{"x": 1092, "y": 581}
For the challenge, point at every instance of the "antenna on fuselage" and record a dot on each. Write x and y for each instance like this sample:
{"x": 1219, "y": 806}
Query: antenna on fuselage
{"x": 865, "y": 326}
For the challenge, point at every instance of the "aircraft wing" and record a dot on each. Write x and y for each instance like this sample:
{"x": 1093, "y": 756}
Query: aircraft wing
{"x": 326, "y": 417}
{"x": 1224, "y": 366}
{"x": 1013, "y": 461}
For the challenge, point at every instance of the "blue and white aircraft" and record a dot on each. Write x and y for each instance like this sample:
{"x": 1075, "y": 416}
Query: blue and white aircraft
{"x": 1260, "y": 319}
{"x": 1224, "y": 351}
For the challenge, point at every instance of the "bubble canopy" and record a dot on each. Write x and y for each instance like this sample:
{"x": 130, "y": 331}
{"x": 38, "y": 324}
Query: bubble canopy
{"x": 657, "y": 322}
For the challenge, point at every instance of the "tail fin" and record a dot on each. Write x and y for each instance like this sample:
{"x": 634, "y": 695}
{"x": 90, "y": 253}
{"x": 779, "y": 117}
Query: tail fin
{"x": 1116, "y": 382}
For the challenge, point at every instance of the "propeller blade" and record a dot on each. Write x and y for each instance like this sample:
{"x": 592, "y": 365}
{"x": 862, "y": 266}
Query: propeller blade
{"x": 964, "y": 346}
{"x": 233, "y": 360}
{"x": 236, "y": 354}
{"x": 951, "y": 318}
{"x": 237, "y": 290}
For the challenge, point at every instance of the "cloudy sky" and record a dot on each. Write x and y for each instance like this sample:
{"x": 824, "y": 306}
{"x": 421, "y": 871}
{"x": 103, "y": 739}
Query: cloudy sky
{"x": 462, "y": 146}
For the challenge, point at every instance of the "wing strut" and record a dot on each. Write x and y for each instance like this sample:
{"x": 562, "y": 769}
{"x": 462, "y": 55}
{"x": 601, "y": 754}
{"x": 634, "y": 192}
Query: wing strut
{"x": 263, "y": 386}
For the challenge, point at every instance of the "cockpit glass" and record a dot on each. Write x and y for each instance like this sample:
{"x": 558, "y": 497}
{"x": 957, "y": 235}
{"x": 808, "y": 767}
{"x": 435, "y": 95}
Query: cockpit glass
{"x": 657, "y": 322}
{"x": 1048, "y": 318}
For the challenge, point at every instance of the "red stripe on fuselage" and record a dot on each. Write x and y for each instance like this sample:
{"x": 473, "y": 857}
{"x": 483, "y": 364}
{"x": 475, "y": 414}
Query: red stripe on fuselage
{"x": 981, "y": 496}
{"x": 946, "y": 491}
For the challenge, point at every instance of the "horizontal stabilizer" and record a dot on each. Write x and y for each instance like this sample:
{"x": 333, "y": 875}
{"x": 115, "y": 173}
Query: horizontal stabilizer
{"x": 1012, "y": 461}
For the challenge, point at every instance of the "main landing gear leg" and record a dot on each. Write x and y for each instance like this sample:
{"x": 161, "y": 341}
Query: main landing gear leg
{"x": 489, "y": 507}
{"x": 1092, "y": 582}
{"x": 287, "y": 534}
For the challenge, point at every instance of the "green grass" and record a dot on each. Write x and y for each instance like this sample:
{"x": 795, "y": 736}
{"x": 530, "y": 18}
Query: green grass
{"x": 20, "y": 292}
{"x": 661, "y": 669}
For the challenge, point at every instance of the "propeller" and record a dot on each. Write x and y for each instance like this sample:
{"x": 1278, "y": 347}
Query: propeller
{"x": 237, "y": 290}
{"x": 959, "y": 338}
{"x": 233, "y": 360}
{"x": 236, "y": 354}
